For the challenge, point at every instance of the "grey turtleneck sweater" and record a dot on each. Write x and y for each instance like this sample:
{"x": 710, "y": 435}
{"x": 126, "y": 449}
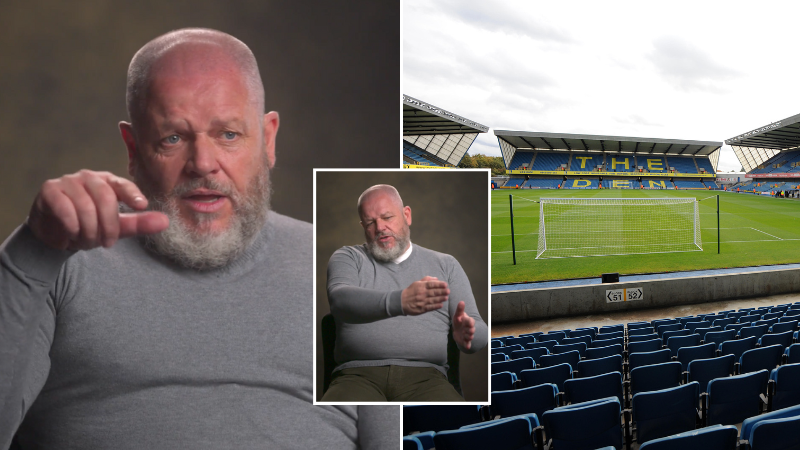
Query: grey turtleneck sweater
{"x": 119, "y": 348}
{"x": 371, "y": 329}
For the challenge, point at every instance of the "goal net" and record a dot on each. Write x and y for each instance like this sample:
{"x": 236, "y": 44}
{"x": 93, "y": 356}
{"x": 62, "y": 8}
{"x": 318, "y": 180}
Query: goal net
{"x": 617, "y": 226}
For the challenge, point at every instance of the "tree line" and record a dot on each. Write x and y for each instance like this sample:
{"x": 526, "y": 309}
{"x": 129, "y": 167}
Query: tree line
{"x": 480, "y": 161}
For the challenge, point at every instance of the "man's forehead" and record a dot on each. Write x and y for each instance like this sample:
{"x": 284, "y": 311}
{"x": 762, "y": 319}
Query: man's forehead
{"x": 379, "y": 202}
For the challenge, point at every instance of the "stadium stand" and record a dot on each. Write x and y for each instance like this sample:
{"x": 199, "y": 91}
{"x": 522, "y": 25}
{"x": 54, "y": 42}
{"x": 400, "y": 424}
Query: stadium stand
{"x": 685, "y": 184}
{"x": 682, "y": 165}
{"x": 514, "y": 181}
{"x": 689, "y": 390}
{"x": 549, "y": 161}
{"x": 539, "y": 183}
{"x": 704, "y": 163}
{"x": 652, "y": 163}
{"x": 416, "y": 155}
{"x": 580, "y": 183}
{"x": 620, "y": 183}
{"x": 585, "y": 162}
{"x": 521, "y": 159}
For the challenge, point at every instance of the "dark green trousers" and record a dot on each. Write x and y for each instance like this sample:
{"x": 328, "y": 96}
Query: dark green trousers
{"x": 392, "y": 384}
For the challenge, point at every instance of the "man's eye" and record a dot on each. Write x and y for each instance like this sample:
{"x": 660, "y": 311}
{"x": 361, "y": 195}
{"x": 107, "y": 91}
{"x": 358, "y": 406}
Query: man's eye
{"x": 230, "y": 135}
{"x": 174, "y": 139}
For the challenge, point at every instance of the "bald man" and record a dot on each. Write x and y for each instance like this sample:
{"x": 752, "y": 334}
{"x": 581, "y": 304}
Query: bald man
{"x": 172, "y": 311}
{"x": 394, "y": 303}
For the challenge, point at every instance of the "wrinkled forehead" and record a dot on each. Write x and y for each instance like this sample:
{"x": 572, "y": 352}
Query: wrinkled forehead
{"x": 378, "y": 203}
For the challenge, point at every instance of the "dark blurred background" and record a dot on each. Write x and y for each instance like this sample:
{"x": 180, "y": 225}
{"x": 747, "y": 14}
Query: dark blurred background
{"x": 331, "y": 69}
{"x": 450, "y": 214}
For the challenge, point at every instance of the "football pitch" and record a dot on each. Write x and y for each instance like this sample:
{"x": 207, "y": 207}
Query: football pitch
{"x": 755, "y": 230}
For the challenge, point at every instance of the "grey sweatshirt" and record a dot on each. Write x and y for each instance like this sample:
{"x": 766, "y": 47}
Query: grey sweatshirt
{"x": 119, "y": 348}
{"x": 371, "y": 329}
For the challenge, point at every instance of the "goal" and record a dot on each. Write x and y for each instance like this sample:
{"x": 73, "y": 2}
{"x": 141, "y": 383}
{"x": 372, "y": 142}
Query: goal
{"x": 571, "y": 227}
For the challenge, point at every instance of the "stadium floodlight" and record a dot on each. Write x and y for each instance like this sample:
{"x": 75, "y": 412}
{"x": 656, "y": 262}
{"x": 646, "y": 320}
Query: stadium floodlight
{"x": 571, "y": 227}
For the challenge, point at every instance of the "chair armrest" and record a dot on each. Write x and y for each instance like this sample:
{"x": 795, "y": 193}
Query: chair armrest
{"x": 704, "y": 408}
{"x": 485, "y": 413}
{"x": 627, "y": 420}
{"x": 538, "y": 437}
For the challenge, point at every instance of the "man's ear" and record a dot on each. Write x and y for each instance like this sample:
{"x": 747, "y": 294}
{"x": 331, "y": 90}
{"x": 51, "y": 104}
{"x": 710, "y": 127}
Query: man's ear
{"x": 126, "y": 130}
{"x": 271, "y": 124}
{"x": 407, "y": 215}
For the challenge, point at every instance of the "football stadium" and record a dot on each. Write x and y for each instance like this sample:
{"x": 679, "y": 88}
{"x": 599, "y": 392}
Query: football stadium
{"x": 636, "y": 301}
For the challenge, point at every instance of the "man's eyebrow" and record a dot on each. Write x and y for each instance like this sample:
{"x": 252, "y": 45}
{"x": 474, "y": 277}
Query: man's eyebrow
{"x": 230, "y": 122}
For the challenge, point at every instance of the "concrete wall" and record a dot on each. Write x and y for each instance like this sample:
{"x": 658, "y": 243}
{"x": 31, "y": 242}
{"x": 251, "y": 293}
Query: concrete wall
{"x": 537, "y": 304}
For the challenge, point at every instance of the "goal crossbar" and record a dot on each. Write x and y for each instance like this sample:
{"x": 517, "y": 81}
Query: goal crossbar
{"x": 571, "y": 227}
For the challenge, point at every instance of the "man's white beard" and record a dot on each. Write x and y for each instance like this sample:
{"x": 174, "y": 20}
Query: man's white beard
{"x": 390, "y": 254}
{"x": 198, "y": 248}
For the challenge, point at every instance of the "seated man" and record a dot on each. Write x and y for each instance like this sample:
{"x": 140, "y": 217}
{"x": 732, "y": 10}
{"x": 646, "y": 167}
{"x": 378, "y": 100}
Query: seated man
{"x": 394, "y": 303}
{"x": 195, "y": 331}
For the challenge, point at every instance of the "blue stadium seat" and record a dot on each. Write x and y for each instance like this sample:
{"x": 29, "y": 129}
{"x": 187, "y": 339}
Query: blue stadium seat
{"x": 584, "y": 426}
{"x": 736, "y": 314}
{"x": 640, "y": 331}
{"x": 579, "y": 390}
{"x": 503, "y": 381}
{"x": 534, "y": 399}
{"x": 673, "y": 333}
{"x": 764, "y": 358}
{"x": 606, "y": 342}
{"x": 605, "y": 335}
{"x": 499, "y": 357}
{"x": 786, "y": 386}
{"x": 507, "y": 349}
{"x": 534, "y": 353}
{"x": 780, "y": 327}
{"x": 570, "y": 357}
{"x": 776, "y": 430}
{"x": 668, "y": 327}
{"x": 655, "y": 377}
{"x": 665, "y": 412}
{"x": 793, "y": 354}
{"x": 676, "y": 342}
{"x": 784, "y": 339}
{"x": 692, "y": 326}
{"x": 602, "y": 352}
{"x": 737, "y": 326}
{"x": 731, "y": 400}
{"x": 514, "y": 366}
{"x": 705, "y": 370}
{"x": 644, "y": 346}
{"x": 718, "y": 337}
{"x": 642, "y": 337}
{"x": 635, "y": 325}
{"x": 412, "y": 443}
{"x": 688, "y": 354}
{"x": 513, "y": 433}
{"x": 438, "y": 417}
{"x": 709, "y": 438}
{"x": 542, "y": 344}
{"x": 556, "y": 375}
{"x": 496, "y": 343}
{"x": 584, "y": 339}
{"x": 520, "y": 340}
{"x": 703, "y": 331}
{"x": 578, "y": 332}
{"x": 648, "y": 358}
{"x": 611, "y": 329}
{"x": 722, "y": 322}
{"x": 592, "y": 367}
{"x": 737, "y": 347}
{"x": 579, "y": 347}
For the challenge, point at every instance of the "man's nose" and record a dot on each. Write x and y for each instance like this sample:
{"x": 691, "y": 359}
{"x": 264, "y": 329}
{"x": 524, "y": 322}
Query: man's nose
{"x": 203, "y": 158}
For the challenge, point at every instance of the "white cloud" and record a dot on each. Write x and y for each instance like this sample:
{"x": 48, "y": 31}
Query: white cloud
{"x": 687, "y": 70}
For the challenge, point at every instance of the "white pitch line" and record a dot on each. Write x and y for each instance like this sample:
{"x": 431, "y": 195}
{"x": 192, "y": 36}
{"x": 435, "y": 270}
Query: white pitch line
{"x": 776, "y": 237}
{"x": 723, "y": 242}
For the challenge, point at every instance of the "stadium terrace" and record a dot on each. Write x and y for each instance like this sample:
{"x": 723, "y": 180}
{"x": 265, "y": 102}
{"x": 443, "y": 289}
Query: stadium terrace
{"x": 537, "y": 160}
{"x": 771, "y": 157}
{"x": 434, "y": 138}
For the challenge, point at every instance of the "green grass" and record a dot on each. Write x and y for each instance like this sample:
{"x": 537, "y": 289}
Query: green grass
{"x": 754, "y": 231}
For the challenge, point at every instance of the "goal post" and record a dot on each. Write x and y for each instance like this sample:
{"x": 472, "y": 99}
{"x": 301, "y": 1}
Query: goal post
{"x": 570, "y": 227}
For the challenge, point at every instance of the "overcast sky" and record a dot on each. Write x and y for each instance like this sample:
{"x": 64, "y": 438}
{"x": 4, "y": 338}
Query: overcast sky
{"x": 695, "y": 70}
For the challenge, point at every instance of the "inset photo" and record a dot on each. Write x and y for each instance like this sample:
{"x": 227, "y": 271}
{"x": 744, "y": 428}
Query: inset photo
{"x": 401, "y": 286}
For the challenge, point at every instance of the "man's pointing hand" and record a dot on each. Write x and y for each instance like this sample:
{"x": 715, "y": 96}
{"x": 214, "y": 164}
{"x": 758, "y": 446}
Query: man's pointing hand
{"x": 81, "y": 211}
